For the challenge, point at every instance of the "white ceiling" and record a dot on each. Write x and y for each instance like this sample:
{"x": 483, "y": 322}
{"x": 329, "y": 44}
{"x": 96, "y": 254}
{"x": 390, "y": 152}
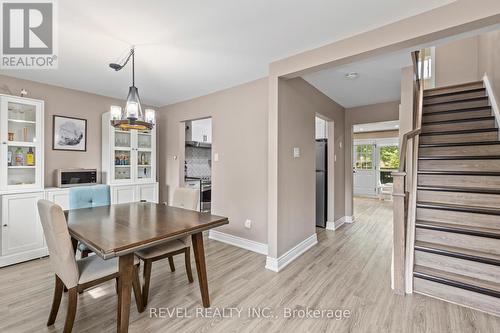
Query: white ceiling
{"x": 376, "y": 127}
{"x": 191, "y": 48}
{"x": 379, "y": 80}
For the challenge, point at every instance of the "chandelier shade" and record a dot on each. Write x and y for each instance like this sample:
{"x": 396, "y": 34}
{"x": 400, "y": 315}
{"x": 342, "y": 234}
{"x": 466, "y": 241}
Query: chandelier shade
{"x": 131, "y": 116}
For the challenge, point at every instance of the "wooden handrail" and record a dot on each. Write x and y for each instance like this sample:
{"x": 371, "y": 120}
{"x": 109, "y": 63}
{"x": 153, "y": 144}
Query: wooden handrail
{"x": 404, "y": 147}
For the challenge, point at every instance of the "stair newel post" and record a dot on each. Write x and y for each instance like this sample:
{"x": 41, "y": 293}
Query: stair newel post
{"x": 399, "y": 232}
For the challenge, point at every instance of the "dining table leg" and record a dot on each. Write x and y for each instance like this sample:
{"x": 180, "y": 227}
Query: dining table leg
{"x": 126, "y": 268}
{"x": 201, "y": 269}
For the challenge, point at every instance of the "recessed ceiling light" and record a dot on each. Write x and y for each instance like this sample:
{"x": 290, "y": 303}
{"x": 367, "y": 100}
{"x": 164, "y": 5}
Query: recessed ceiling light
{"x": 352, "y": 75}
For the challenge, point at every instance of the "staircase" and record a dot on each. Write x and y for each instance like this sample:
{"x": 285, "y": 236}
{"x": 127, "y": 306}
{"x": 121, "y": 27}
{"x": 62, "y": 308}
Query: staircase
{"x": 457, "y": 227}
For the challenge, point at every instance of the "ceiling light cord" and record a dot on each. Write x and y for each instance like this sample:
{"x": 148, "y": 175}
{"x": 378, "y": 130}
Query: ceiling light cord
{"x": 133, "y": 66}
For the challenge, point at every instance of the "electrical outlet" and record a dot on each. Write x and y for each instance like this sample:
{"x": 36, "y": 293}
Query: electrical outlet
{"x": 248, "y": 224}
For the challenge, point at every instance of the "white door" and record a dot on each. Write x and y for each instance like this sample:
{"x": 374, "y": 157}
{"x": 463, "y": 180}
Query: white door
{"x": 364, "y": 169}
{"x": 21, "y": 227}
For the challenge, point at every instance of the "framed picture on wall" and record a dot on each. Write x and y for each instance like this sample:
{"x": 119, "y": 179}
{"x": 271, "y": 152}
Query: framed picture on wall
{"x": 69, "y": 133}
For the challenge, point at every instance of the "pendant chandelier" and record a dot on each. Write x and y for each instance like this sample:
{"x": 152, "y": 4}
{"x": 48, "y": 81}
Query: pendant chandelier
{"x": 132, "y": 116}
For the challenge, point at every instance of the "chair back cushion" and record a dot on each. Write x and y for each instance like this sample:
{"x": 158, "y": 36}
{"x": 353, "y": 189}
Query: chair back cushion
{"x": 62, "y": 256}
{"x": 89, "y": 196}
{"x": 186, "y": 198}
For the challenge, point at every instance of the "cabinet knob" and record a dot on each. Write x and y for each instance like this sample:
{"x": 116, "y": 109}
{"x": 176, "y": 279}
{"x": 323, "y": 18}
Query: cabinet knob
{"x": 4, "y": 143}
{"x": 5, "y": 225}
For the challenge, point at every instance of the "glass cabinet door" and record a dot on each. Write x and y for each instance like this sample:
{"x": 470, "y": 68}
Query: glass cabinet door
{"x": 144, "y": 161}
{"x": 122, "y": 155}
{"x": 21, "y": 136}
{"x": 144, "y": 156}
{"x": 144, "y": 140}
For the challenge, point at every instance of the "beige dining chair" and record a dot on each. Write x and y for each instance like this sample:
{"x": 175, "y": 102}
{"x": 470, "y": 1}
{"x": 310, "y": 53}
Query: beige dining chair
{"x": 186, "y": 198}
{"x": 75, "y": 275}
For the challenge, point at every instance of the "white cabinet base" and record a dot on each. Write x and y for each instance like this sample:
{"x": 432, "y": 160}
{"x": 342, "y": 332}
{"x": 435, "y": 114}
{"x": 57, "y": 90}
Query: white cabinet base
{"x": 148, "y": 192}
{"x": 123, "y": 194}
{"x": 58, "y": 195}
{"x": 23, "y": 256}
{"x": 133, "y": 193}
{"x": 22, "y": 233}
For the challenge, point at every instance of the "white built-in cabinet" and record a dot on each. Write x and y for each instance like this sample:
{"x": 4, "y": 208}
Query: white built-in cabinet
{"x": 21, "y": 135}
{"x": 22, "y": 234}
{"x": 132, "y": 193}
{"x": 119, "y": 194}
{"x": 128, "y": 157}
{"x": 129, "y": 163}
{"x": 58, "y": 195}
{"x": 21, "y": 179}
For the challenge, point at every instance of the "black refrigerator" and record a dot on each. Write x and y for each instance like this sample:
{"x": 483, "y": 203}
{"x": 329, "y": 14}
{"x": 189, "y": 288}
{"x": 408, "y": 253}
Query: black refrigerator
{"x": 321, "y": 186}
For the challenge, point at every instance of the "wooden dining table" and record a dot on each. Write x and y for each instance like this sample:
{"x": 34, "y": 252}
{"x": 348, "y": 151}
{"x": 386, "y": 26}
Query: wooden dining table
{"x": 121, "y": 230}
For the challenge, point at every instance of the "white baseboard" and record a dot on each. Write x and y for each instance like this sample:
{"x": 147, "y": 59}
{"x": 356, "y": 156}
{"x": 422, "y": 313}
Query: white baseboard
{"x": 277, "y": 264}
{"x": 244, "y": 243}
{"x": 335, "y": 224}
{"x": 23, "y": 256}
{"x": 349, "y": 219}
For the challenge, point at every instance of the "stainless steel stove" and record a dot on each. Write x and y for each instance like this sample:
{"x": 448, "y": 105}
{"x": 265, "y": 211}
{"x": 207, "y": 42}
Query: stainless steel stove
{"x": 204, "y": 185}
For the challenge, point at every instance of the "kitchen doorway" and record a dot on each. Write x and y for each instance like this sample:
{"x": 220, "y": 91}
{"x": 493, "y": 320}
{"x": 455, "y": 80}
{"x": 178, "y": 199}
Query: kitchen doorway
{"x": 198, "y": 160}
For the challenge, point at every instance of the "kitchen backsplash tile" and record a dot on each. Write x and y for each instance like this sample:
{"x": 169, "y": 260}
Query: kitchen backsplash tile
{"x": 198, "y": 162}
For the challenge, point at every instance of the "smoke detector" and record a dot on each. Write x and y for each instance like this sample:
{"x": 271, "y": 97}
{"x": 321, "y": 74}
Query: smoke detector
{"x": 352, "y": 75}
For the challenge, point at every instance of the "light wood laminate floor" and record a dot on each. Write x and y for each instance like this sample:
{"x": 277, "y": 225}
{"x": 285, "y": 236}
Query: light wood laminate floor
{"x": 349, "y": 270}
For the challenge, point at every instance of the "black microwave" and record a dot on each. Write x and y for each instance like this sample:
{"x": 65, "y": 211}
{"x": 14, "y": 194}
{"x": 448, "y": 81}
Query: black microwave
{"x": 75, "y": 177}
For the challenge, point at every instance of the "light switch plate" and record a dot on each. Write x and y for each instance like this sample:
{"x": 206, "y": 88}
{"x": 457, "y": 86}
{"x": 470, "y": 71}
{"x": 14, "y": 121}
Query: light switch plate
{"x": 296, "y": 152}
{"x": 216, "y": 157}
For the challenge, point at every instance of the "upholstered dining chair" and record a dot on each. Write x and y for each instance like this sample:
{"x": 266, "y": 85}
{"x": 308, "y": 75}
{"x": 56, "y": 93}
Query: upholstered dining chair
{"x": 87, "y": 197}
{"x": 76, "y": 275}
{"x": 186, "y": 198}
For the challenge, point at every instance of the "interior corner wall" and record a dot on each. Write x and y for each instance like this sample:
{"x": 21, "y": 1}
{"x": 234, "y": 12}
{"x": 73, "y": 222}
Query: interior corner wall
{"x": 457, "y": 62}
{"x": 299, "y": 102}
{"x": 239, "y": 137}
{"x": 362, "y": 115}
{"x": 489, "y": 59}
